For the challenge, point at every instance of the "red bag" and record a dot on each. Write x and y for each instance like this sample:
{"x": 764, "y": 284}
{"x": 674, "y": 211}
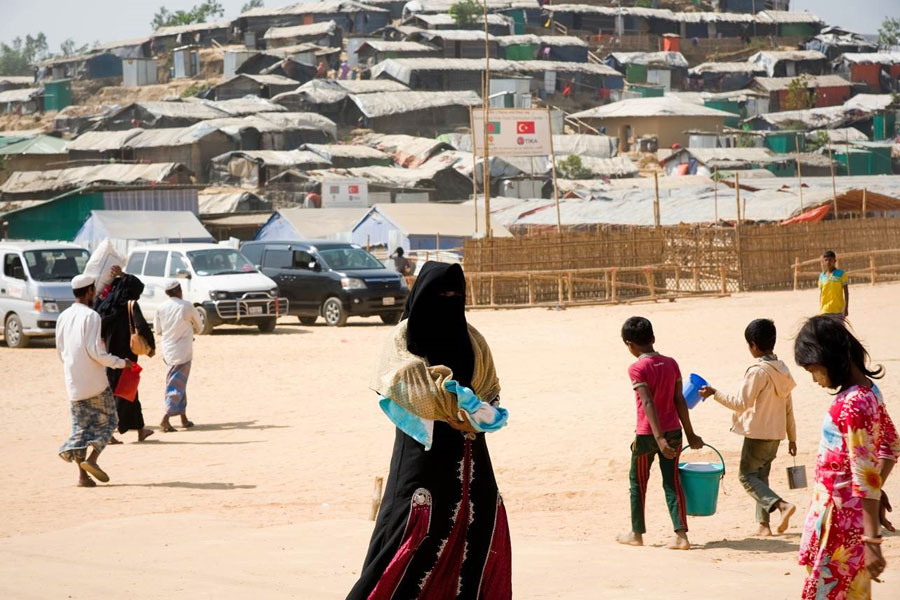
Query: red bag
{"x": 128, "y": 383}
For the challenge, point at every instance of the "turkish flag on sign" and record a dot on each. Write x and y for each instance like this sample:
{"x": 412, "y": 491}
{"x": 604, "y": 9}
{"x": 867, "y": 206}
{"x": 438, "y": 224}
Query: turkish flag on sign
{"x": 524, "y": 126}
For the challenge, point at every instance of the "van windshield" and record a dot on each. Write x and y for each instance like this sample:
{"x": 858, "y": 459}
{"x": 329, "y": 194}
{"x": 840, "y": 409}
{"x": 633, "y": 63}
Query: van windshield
{"x": 56, "y": 265}
{"x": 340, "y": 259}
{"x": 219, "y": 261}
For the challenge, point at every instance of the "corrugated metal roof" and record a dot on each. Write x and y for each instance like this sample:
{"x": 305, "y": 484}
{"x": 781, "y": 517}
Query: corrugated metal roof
{"x": 777, "y": 84}
{"x": 300, "y": 31}
{"x": 22, "y": 182}
{"x": 44, "y": 144}
{"x": 726, "y": 67}
{"x": 102, "y": 141}
{"x": 382, "y": 46}
{"x": 881, "y": 58}
{"x": 446, "y": 20}
{"x": 279, "y": 158}
{"x": 454, "y": 220}
{"x": 382, "y": 104}
{"x": 193, "y": 27}
{"x": 402, "y": 69}
{"x": 332, "y": 151}
{"x": 450, "y": 35}
{"x": 313, "y": 8}
{"x": 666, "y": 106}
{"x": 20, "y": 95}
{"x": 784, "y": 17}
{"x": 121, "y": 44}
{"x": 653, "y": 59}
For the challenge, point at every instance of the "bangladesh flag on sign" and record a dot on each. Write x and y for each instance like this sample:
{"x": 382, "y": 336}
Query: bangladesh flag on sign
{"x": 493, "y": 127}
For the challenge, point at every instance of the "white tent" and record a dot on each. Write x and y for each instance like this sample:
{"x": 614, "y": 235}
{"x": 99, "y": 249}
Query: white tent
{"x": 128, "y": 228}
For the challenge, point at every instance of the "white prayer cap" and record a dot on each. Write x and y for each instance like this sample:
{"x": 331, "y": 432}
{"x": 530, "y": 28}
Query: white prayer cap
{"x": 82, "y": 281}
{"x": 171, "y": 284}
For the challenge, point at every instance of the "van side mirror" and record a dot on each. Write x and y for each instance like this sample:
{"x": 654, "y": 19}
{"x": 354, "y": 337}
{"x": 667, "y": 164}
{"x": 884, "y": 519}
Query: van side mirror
{"x": 182, "y": 274}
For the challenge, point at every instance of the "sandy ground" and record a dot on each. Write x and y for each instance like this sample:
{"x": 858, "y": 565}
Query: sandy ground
{"x": 268, "y": 496}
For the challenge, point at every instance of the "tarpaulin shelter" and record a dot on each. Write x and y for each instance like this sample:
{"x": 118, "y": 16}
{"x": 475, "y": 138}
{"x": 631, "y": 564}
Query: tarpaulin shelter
{"x": 126, "y": 228}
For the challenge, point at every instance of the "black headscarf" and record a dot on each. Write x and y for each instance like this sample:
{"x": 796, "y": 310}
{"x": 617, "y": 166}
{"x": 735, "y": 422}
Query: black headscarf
{"x": 436, "y": 329}
{"x": 124, "y": 288}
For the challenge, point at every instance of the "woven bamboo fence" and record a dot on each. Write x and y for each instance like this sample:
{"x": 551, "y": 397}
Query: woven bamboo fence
{"x": 752, "y": 257}
{"x": 870, "y": 267}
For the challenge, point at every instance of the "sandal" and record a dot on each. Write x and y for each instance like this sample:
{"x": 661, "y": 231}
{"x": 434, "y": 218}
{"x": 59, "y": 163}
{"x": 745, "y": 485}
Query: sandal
{"x": 188, "y": 425}
{"x": 94, "y": 470}
{"x": 168, "y": 428}
{"x": 87, "y": 483}
{"x": 113, "y": 441}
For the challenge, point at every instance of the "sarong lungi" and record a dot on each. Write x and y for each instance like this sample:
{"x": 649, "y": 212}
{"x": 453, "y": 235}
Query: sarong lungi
{"x": 94, "y": 422}
{"x": 176, "y": 389}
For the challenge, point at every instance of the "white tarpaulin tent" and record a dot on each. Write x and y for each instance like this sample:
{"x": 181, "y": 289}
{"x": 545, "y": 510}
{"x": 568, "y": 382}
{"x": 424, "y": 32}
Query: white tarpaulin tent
{"x": 129, "y": 228}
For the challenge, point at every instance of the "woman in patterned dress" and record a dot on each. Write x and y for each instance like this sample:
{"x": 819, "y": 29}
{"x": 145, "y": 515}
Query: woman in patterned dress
{"x": 841, "y": 545}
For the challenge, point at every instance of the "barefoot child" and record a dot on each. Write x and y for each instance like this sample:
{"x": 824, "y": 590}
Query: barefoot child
{"x": 764, "y": 415}
{"x": 661, "y": 411}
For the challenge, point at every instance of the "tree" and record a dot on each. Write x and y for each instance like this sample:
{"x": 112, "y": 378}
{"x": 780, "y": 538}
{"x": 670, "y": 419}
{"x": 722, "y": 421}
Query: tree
{"x": 69, "y": 48}
{"x": 251, "y": 5}
{"x": 20, "y": 57}
{"x": 573, "y": 168}
{"x": 889, "y": 33}
{"x": 465, "y": 12}
{"x": 799, "y": 96}
{"x": 200, "y": 13}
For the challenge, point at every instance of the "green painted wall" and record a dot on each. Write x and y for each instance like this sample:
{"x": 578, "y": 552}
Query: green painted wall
{"x": 55, "y": 220}
{"x": 884, "y": 126}
{"x": 781, "y": 143}
{"x": 57, "y": 94}
{"x": 520, "y": 52}
{"x": 636, "y": 73}
{"x": 728, "y": 106}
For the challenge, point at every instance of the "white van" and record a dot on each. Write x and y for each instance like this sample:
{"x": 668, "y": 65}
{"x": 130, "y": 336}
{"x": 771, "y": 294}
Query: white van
{"x": 35, "y": 286}
{"x": 223, "y": 285}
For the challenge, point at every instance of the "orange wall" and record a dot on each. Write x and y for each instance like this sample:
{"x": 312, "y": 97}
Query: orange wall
{"x": 866, "y": 73}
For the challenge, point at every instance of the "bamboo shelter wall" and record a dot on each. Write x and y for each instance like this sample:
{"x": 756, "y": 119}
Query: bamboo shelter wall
{"x": 758, "y": 257}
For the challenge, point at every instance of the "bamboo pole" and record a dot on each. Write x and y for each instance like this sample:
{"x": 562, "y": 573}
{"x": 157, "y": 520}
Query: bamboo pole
{"x": 872, "y": 268}
{"x": 737, "y": 232}
{"x": 834, "y": 183}
{"x": 800, "y": 180}
{"x": 376, "y": 498}
{"x": 486, "y": 107}
{"x": 716, "y": 194}
{"x": 437, "y": 241}
{"x": 656, "y": 199}
{"x": 864, "y": 208}
{"x": 796, "y": 273}
{"x": 553, "y": 166}
{"x": 475, "y": 158}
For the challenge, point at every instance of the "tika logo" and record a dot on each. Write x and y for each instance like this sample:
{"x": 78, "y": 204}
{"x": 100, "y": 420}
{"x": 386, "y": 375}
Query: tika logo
{"x": 493, "y": 127}
{"x": 354, "y": 189}
{"x": 524, "y": 126}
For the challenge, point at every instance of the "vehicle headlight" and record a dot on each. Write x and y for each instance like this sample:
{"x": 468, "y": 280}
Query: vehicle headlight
{"x": 352, "y": 283}
{"x": 46, "y": 305}
{"x": 218, "y": 295}
{"x": 274, "y": 292}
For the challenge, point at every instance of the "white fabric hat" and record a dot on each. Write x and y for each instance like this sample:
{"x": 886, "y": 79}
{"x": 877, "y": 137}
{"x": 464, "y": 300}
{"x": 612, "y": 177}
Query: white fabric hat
{"x": 171, "y": 284}
{"x": 82, "y": 281}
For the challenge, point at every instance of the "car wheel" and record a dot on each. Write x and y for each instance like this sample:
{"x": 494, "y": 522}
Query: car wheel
{"x": 391, "y": 318}
{"x": 205, "y": 324}
{"x": 267, "y": 325}
{"x": 334, "y": 313}
{"x": 13, "y": 333}
{"x": 308, "y": 320}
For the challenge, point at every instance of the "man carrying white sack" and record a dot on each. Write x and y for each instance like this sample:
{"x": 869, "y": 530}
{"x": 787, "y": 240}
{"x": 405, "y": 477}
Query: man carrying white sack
{"x": 176, "y": 322}
{"x": 85, "y": 359}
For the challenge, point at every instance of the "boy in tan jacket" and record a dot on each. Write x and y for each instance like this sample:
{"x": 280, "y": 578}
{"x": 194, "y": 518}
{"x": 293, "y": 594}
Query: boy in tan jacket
{"x": 764, "y": 415}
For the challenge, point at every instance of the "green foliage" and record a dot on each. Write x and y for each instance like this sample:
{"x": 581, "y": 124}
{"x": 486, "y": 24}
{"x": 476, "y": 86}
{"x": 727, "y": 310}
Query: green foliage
{"x": 799, "y": 96}
{"x": 746, "y": 140}
{"x": 20, "y": 56}
{"x": 572, "y": 168}
{"x": 465, "y": 12}
{"x": 251, "y": 4}
{"x": 200, "y": 13}
{"x": 70, "y": 48}
{"x": 889, "y": 32}
{"x": 193, "y": 90}
{"x": 819, "y": 140}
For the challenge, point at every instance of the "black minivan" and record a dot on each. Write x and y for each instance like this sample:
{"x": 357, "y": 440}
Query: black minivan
{"x": 334, "y": 280}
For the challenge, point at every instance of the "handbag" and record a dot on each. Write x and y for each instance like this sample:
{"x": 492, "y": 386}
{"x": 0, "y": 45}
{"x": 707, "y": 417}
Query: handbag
{"x": 128, "y": 383}
{"x": 139, "y": 345}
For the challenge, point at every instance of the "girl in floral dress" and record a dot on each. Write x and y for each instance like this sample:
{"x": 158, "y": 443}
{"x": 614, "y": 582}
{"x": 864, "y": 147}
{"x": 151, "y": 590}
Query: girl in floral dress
{"x": 841, "y": 545}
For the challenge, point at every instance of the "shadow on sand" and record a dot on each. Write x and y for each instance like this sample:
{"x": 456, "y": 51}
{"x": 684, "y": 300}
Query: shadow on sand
{"x": 773, "y": 545}
{"x": 174, "y": 442}
{"x": 234, "y": 425}
{"x": 213, "y": 485}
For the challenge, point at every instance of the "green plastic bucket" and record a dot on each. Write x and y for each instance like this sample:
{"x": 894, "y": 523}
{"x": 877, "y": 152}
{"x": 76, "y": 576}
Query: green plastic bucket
{"x": 700, "y": 482}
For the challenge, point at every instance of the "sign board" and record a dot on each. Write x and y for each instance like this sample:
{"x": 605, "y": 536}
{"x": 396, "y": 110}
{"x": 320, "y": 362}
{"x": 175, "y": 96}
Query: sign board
{"x": 345, "y": 192}
{"x": 513, "y": 132}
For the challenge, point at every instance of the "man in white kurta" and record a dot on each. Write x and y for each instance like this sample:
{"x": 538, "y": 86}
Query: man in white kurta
{"x": 85, "y": 360}
{"x": 175, "y": 323}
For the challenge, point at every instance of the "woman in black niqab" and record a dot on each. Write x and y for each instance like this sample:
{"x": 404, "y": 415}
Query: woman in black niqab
{"x": 465, "y": 552}
{"x": 116, "y": 333}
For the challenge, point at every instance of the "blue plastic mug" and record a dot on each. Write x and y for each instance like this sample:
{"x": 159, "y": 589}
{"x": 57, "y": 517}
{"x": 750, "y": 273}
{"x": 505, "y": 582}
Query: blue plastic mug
{"x": 691, "y": 390}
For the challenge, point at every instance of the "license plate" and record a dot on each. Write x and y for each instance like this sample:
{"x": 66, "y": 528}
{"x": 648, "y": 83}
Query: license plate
{"x": 255, "y": 310}
{"x": 388, "y": 301}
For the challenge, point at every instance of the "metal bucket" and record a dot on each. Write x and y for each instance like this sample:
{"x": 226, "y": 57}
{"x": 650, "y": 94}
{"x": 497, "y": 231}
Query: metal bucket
{"x": 796, "y": 477}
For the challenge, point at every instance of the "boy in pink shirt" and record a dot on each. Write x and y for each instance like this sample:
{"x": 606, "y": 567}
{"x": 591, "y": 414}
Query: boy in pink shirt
{"x": 661, "y": 412}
